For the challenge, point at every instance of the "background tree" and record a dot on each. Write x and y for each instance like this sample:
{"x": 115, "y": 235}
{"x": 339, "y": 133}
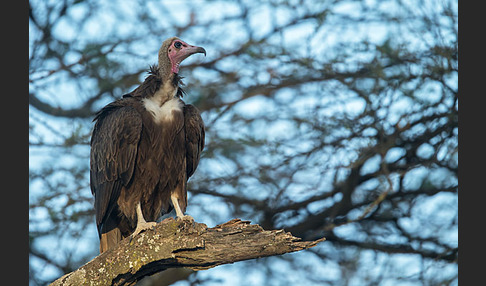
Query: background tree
{"x": 325, "y": 118}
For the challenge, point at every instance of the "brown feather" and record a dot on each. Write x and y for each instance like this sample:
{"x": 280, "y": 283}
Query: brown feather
{"x": 133, "y": 159}
{"x": 195, "y": 134}
{"x": 153, "y": 82}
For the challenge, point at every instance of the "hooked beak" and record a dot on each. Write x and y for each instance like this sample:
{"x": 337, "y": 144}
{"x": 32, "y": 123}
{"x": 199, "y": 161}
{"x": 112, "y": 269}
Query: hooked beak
{"x": 183, "y": 54}
{"x": 198, "y": 50}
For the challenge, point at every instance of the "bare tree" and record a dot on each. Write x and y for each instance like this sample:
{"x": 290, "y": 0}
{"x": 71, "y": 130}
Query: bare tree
{"x": 334, "y": 119}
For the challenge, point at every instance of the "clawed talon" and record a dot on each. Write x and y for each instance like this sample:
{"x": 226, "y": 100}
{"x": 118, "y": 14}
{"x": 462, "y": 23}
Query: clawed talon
{"x": 141, "y": 223}
{"x": 143, "y": 226}
{"x": 185, "y": 217}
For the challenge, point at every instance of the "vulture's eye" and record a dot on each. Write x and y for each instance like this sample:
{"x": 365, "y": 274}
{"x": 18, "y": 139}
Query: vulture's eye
{"x": 177, "y": 45}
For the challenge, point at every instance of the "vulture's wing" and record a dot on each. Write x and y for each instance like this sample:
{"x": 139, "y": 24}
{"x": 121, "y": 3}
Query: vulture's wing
{"x": 194, "y": 127}
{"x": 114, "y": 146}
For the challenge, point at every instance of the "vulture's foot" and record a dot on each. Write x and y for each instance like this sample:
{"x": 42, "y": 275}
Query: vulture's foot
{"x": 185, "y": 217}
{"x": 141, "y": 223}
{"x": 141, "y": 226}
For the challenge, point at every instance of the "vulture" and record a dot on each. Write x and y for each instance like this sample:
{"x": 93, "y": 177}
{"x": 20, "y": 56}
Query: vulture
{"x": 144, "y": 148}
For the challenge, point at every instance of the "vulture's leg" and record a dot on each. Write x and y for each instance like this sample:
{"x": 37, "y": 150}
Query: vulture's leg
{"x": 141, "y": 223}
{"x": 179, "y": 213}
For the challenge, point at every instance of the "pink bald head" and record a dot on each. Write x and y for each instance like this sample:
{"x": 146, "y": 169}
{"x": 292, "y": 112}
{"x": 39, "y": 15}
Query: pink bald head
{"x": 179, "y": 50}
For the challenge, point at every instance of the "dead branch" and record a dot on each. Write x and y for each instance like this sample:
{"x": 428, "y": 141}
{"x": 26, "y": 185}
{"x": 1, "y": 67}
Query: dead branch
{"x": 181, "y": 243}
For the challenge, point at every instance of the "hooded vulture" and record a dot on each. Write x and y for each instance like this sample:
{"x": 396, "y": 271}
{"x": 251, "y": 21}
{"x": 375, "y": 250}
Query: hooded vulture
{"x": 144, "y": 148}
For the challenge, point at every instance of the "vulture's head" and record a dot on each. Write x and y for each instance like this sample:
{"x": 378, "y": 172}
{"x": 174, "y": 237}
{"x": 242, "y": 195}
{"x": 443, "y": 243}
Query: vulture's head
{"x": 173, "y": 52}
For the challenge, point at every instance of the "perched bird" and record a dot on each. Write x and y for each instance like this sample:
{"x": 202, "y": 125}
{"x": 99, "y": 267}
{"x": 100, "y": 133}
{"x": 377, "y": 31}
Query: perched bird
{"x": 144, "y": 148}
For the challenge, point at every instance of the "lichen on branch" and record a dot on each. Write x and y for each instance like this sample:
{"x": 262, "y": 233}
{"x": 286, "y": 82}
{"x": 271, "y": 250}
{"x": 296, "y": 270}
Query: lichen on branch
{"x": 182, "y": 243}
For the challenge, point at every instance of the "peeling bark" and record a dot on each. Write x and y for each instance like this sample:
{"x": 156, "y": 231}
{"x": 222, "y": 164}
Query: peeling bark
{"x": 182, "y": 243}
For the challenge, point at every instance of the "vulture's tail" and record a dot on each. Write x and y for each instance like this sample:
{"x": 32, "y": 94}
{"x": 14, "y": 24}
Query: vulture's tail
{"x": 109, "y": 239}
{"x": 110, "y": 231}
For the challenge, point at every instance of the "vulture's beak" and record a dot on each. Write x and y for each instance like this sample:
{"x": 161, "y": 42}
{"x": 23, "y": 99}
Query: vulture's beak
{"x": 190, "y": 50}
{"x": 187, "y": 51}
{"x": 200, "y": 50}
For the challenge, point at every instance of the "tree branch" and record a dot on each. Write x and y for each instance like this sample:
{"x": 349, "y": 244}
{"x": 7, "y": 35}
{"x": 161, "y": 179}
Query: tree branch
{"x": 180, "y": 243}
{"x": 83, "y": 111}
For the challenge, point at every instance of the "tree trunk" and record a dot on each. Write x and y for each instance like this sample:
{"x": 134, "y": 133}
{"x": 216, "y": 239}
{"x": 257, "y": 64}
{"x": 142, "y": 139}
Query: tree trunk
{"x": 181, "y": 243}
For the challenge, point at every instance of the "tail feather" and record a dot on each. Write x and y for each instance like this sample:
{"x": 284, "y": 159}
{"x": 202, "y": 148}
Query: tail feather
{"x": 109, "y": 239}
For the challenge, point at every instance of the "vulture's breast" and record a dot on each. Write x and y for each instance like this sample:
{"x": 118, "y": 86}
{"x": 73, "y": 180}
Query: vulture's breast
{"x": 165, "y": 112}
